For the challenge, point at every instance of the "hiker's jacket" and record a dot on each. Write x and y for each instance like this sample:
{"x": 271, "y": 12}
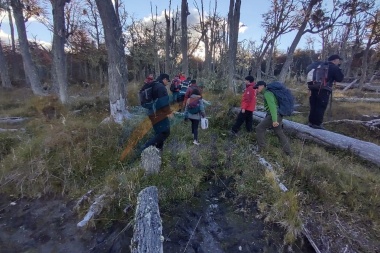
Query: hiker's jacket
{"x": 270, "y": 104}
{"x": 334, "y": 75}
{"x": 248, "y": 101}
{"x": 198, "y": 115}
{"x": 162, "y": 107}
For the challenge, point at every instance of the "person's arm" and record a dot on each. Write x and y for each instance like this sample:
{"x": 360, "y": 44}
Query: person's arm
{"x": 272, "y": 104}
{"x": 338, "y": 74}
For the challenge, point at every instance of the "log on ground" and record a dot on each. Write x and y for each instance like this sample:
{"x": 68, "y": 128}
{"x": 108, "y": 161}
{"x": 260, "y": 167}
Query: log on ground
{"x": 147, "y": 232}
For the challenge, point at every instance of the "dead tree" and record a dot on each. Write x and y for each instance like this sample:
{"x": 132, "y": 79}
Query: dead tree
{"x": 184, "y": 40}
{"x": 147, "y": 232}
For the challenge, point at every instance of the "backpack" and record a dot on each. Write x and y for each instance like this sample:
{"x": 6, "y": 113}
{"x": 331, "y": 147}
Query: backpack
{"x": 284, "y": 97}
{"x": 174, "y": 87}
{"x": 317, "y": 75}
{"x": 146, "y": 96}
{"x": 194, "y": 105}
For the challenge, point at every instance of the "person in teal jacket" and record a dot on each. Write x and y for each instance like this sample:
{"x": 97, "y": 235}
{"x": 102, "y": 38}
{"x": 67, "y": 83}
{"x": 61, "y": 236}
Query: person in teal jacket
{"x": 272, "y": 120}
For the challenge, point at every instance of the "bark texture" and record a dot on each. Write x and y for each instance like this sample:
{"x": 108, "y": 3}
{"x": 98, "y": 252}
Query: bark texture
{"x": 5, "y": 79}
{"x": 147, "y": 235}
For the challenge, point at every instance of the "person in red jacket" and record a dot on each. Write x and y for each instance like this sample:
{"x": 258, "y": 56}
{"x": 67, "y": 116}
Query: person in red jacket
{"x": 248, "y": 105}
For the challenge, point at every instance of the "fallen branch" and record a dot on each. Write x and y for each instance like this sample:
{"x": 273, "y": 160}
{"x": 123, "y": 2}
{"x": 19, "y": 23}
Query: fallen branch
{"x": 85, "y": 197}
{"x": 147, "y": 235}
{"x": 12, "y": 120}
{"x": 349, "y": 85}
{"x": 95, "y": 209}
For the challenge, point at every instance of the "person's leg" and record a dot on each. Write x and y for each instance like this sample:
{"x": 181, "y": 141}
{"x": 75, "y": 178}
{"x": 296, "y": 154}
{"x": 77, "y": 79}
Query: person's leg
{"x": 195, "y": 126}
{"x": 261, "y": 129}
{"x": 313, "y": 100}
{"x": 248, "y": 120}
{"x": 322, "y": 102}
{"x": 162, "y": 131}
{"x": 239, "y": 122}
{"x": 285, "y": 145}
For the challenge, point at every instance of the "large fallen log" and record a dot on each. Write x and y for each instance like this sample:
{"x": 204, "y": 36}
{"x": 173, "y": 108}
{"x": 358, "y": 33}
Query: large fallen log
{"x": 366, "y": 150}
{"x": 356, "y": 100}
{"x": 12, "y": 120}
{"x": 370, "y": 87}
{"x": 147, "y": 232}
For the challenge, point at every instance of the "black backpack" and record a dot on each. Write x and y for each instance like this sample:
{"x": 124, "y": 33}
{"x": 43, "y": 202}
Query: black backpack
{"x": 285, "y": 98}
{"x": 317, "y": 75}
{"x": 146, "y": 96}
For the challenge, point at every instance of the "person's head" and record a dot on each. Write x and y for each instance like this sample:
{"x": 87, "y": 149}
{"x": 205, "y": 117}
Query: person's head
{"x": 150, "y": 77}
{"x": 163, "y": 78}
{"x": 335, "y": 59}
{"x": 195, "y": 92}
{"x": 260, "y": 85}
{"x": 193, "y": 82}
{"x": 249, "y": 79}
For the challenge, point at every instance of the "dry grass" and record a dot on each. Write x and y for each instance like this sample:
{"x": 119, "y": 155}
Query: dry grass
{"x": 72, "y": 154}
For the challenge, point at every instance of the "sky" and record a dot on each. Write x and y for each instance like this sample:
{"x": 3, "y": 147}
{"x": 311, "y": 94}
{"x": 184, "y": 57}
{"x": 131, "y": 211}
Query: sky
{"x": 251, "y": 17}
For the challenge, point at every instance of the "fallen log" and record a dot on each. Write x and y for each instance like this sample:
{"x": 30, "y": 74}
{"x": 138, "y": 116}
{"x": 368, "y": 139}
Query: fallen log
{"x": 366, "y": 150}
{"x": 370, "y": 87}
{"x": 12, "y": 120}
{"x": 350, "y": 84}
{"x": 147, "y": 232}
{"x": 95, "y": 209}
{"x": 356, "y": 100}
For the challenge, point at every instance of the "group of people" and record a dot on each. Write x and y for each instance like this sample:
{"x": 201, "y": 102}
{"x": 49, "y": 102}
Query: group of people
{"x": 318, "y": 99}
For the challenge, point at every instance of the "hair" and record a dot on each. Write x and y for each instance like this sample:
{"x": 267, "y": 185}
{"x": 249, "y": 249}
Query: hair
{"x": 259, "y": 83}
{"x": 195, "y": 92}
{"x": 162, "y": 77}
{"x": 250, "y": 78}
{"x": 193, "y": 81}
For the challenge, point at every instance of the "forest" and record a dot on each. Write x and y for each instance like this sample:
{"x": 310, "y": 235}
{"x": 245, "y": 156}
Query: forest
{"x": 69, "y": 109}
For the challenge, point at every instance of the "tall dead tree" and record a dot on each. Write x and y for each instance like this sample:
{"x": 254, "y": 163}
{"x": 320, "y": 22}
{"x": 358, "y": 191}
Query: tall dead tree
{"x": 58, "y": 48}
{"x": 184, "y": 40}
{"x": 30, "y": 68}
{"x": 167, "y": 39}
{"x": 312, "y": 14}
{"x": 233, "y": 24}
{"x": 117, "y": 67}
{"x": 11, "y": 26}
{"x": 5, "y": 79}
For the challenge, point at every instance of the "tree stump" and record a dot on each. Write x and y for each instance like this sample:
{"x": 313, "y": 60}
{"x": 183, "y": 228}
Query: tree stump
{"x": 147, "y": 232}
{"x": 151, "y": 160}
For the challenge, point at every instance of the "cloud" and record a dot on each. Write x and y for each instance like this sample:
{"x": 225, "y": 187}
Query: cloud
{"x": 4, "y": 37}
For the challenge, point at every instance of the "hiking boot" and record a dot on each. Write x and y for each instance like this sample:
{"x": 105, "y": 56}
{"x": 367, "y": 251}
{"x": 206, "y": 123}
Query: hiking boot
{"x": 317, "y": 126}
{"x": 196, "y": 142}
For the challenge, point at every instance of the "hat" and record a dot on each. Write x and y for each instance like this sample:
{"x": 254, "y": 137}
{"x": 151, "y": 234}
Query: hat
{"x": 259, "y": 83}
{"x": 250, "y": 78}
{"x": 334, "y": 57}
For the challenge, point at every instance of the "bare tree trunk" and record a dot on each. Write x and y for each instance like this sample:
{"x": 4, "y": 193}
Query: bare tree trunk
{"x": 184, "y": 43}
{"x": 167, "y": 41}
{"x": 117, "y": 67}
{"x": 59, "y": 56}
{"x": 11, "y": 28}
{"x": 233, "y": 23}
{"x": 5, "y": 79}
{"x": 29, "y": 67}
{"x": 300, "y": 32}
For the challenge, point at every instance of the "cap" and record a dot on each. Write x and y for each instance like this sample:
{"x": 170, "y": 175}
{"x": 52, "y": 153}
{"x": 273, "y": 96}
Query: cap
{"x": 334, "y": 57}
{"x": 260, "y": 83}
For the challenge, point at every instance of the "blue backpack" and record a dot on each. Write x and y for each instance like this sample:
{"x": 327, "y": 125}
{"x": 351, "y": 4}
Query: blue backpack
{"x": 284, "y": 97}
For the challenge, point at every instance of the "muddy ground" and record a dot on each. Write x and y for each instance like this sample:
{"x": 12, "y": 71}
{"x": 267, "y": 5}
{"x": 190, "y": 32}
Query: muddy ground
{"x": 209, "y": 223}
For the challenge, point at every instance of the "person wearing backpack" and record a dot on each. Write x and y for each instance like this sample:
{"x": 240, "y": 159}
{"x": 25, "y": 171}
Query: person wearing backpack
{"x": 159, "y": 112}
{"x": 174, "y": 88}
{"x": 273, "y": 119}
{"x": 193, "y": 85}
{"x": 320, "y": 84}
{"x": 248, "y": 104}
{"x": 195, "y": 110}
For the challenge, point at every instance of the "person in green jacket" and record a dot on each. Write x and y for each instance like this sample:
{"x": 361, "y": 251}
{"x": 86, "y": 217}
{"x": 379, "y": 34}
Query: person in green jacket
{"x": 272, "y": 120}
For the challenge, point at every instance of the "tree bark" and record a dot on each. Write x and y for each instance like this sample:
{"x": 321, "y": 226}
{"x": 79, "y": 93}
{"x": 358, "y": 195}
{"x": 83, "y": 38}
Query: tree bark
{"x": 147, "y": 235}
{"x": 29, "y": 67}
{"x": 184, "y": 40}
{"x": 59, "y": 56}
{"x": 117, "y": 68}
{"x": 233, "y": 23}
{"x": 11, "y": 28}
{"x": 5, "y": 79}
{"x": 167, "y": 42}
